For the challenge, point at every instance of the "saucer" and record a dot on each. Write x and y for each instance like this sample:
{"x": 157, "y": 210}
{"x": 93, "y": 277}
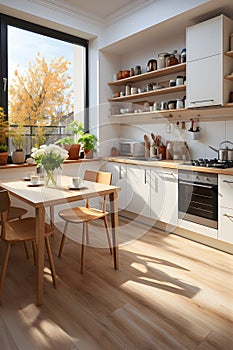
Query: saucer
{"x": 26, "y": 178}
{"x": 39, "y": 183}
{"x": 80, "y": 187}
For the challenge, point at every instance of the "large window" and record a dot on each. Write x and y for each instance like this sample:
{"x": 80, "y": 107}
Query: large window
{"x": 44, "y": 79}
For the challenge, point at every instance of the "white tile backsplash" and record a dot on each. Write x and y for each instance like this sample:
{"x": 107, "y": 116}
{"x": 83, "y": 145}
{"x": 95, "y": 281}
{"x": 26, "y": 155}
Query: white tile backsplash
{"x": 211, "y": 133}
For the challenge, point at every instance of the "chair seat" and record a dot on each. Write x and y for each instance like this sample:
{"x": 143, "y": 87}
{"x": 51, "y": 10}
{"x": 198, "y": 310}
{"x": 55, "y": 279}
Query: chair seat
{"x": 24, "y": 230}
{"x": 81, "y": 214}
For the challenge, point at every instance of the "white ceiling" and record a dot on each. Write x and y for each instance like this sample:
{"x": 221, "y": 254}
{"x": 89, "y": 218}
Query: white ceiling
{"x": 102, "y": 9}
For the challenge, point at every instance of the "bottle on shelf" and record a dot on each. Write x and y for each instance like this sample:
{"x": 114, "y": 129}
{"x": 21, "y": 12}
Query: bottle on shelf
{"x": 177, "y": 55}
{"x": 183, "y": 55}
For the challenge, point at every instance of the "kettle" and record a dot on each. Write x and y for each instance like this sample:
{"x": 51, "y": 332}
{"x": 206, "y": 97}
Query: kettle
{"x": 224, "y": 154}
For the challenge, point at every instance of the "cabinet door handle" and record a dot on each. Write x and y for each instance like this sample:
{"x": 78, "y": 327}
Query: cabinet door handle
{"x": 202, "y": 101}
{"x": 166, "y": 173}
{"x": 145, "y": 176}
{"x": 227, "y": 181}
{"x": 120, "y": 173}
{"x": 228, "y": 216}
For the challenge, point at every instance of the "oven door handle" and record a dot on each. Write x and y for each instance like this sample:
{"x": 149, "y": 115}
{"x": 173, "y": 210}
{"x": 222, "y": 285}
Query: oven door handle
{"x": 195, "y": 184}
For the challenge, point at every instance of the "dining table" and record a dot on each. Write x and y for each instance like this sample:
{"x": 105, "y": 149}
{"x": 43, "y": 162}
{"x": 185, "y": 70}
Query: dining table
{"x": 41, "y": 197}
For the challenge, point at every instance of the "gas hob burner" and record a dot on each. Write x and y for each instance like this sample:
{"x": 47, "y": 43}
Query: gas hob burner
{"x": 209, "y": 163}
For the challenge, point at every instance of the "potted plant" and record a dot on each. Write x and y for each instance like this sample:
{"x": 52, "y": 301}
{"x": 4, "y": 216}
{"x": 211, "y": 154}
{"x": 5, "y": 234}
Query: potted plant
{"x": 89, "y": 143}
{"x": 18, "y": 141}
{"x": 71, "y": 143}
{"x": 4, "y": 132}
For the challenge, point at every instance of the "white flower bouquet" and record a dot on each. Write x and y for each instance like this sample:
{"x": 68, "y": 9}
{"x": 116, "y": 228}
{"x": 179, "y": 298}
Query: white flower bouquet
{"x": 50, "y": 157}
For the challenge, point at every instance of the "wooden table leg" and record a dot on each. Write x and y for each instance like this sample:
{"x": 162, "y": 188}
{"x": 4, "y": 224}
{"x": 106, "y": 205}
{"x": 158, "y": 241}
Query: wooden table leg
{"x": 114, "y": 220}
{"x": 40, "y": 227}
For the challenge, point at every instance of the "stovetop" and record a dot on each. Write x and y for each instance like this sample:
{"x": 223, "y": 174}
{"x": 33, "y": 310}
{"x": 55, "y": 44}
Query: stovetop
{"x": 209, "y": 163}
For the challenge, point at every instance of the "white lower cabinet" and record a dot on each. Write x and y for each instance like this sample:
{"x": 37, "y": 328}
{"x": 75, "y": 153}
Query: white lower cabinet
{"x": 225, "y": 214}
{"x": 225, "y": 232}
{"x": 119, "y": 178}
{"x": 148, "y": 191}
{"x": 138, "y": 189}
{"x": 164, "y": 195}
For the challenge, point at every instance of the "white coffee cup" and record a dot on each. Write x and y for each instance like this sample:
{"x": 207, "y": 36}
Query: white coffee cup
{"x": 28, "y": 175}
{"x": 35, "y": 179}
{"x": 76, "y": 181}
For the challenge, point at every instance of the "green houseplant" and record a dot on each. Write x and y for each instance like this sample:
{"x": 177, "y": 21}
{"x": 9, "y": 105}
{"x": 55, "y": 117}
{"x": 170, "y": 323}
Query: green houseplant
{"x": 4, "y": 133}
{"x": 71, "y": 143}
{"x": 89, "y": 142}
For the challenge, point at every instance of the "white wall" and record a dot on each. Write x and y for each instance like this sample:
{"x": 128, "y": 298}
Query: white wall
{"x": 156, "y": 13}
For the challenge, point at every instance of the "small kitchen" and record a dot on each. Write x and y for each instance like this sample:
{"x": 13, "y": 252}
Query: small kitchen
{"x": 172, "y": 145}
{"x": 163, "y": 114}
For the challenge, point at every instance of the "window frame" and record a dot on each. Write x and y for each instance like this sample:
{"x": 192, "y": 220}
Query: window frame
{"x": 38, "y": 29}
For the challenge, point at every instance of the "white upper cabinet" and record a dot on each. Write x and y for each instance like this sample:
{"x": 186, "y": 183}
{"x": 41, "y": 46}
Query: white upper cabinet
{"x": 204, "y": 39}
{"x": 205, "y": 87}
{"x": 206, "y": 64}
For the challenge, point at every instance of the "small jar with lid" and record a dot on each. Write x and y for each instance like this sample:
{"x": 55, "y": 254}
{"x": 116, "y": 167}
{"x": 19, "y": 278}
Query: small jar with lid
{"x": 131, "y": 72}
{"x": 179, "y": 80}
{"x": 179, "y": 104}
{"x": 137, "y": 70}
{"x": 127, "y": 90}
{"x": 149, "y": 87}
{"x": 172, "y": 83}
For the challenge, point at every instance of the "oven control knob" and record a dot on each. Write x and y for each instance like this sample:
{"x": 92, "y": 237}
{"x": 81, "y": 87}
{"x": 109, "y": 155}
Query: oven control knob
{"x": 197, "y": 177}
{"x": 207, "y": 179}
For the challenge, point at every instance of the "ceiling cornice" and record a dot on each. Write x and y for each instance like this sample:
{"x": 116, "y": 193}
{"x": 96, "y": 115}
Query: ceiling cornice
{"x": 73, "y": 11}
{"x": 133, "y": 7}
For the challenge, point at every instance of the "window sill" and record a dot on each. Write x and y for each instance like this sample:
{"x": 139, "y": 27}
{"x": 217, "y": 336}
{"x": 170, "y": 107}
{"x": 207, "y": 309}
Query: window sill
{"x": 26, "y": 165}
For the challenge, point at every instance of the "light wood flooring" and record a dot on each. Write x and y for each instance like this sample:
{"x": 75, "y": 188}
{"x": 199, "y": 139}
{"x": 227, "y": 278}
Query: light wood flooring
{"x": 170, "y": 293}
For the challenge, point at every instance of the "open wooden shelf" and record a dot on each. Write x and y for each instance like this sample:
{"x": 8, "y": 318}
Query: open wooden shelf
{"x": 149, "y": 94}
{"x": 229, "y": 53}
{"x": 217, "y": 113}
{"x": 229, "y": 77}
{"x": 150, "y": 75}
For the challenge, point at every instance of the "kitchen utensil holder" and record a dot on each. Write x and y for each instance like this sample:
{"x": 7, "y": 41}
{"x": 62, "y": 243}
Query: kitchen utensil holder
{"x": 195, "y": 135}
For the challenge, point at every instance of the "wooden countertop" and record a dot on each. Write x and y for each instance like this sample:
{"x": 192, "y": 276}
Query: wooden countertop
{"x": 172, "y": 164}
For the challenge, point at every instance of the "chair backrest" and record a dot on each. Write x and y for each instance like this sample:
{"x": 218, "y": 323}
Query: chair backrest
{"x": 101, "y": 177}
{"x": 4, "y": 207}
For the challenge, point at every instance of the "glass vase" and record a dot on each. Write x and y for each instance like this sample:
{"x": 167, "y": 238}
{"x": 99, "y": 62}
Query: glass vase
{"x": 50, "y": 179}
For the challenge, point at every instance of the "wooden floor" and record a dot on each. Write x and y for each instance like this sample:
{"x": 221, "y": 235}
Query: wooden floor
{"x": 170, "y": 293}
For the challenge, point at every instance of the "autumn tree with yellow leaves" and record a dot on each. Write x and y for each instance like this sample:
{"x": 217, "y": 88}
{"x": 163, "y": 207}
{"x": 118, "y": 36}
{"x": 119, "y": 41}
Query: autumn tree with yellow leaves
{"x": 42, "y": 95}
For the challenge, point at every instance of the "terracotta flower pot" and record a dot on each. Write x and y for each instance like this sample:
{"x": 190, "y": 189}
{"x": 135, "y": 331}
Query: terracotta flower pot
{"x": 88, "y": 153}
{"x": 73, "y": 151}
{"x": 3, "y": 158}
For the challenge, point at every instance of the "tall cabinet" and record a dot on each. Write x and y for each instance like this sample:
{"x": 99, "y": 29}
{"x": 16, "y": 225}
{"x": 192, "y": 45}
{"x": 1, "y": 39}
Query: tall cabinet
{"x": 206, "y": 63}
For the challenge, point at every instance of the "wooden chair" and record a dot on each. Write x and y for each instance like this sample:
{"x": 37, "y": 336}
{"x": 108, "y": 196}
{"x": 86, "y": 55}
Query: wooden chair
{"x": 86, "y": 214}
{"x": 21, "y": 230}
{"x": 15, "y": 213}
